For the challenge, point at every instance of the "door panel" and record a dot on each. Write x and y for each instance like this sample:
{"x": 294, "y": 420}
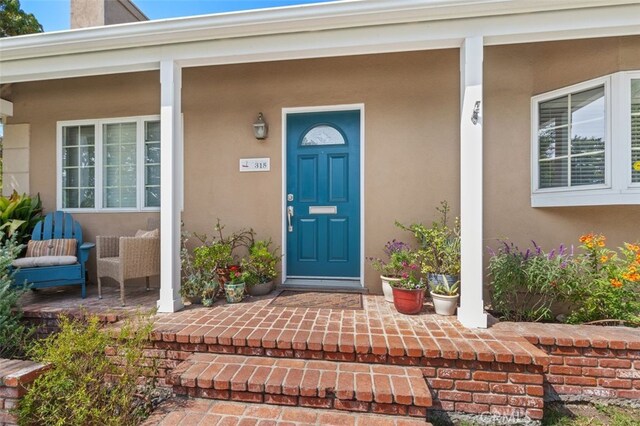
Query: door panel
{"x": 338, "y": 178}
{"x": 323, "y": 178}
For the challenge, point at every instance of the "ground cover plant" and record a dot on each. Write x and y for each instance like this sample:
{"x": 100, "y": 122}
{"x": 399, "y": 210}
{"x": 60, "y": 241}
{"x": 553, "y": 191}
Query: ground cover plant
{"x": 594, "y": 283}
{"x": 14, "y": 335}
{"x": 86, "y": 387}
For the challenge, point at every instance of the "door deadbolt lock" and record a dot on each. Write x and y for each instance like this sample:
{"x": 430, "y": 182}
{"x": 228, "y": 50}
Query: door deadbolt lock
{"x": 289, "y": 197}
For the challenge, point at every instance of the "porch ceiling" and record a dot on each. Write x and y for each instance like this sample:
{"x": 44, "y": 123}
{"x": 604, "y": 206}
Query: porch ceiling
{"x": 329, "y": 29}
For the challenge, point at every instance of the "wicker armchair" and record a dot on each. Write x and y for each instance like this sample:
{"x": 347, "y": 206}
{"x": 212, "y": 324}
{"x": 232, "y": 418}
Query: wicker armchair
{"x": 123, "y": 258}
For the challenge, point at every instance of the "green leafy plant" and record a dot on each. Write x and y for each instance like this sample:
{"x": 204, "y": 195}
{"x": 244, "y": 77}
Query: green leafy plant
{"x": 14, "y": 335}
{"x": 19, "y": 214}
{"x": 260, "y": 265}
{"x": 194, "y": 279}
{"x": 446, "y": 286}
{"x": 209, "y": 291}
{"x": 84, "y": 386}
{"x": 525, "y": 284}
{"x": 439, "y": 244}
{"x": 610, "y": 284}
{"x": 397, "y": 254}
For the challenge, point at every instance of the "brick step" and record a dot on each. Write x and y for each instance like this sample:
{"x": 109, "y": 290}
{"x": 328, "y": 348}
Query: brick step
{"x": 359, "y": 387}
{"x": 181, "y": 412}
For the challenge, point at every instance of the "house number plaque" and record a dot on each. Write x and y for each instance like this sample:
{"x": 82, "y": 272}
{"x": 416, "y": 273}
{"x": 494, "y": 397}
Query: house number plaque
{"x": 255, "y": 164}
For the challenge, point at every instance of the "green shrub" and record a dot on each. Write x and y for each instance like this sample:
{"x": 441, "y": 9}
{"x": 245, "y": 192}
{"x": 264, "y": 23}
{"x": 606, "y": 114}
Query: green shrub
{"x": 84, "y": 386}
{"x": 19, "y": 214}
{"x": 525, "y": 284}
{"x": 13, "y": 333}
{"x": 610, "y": 289}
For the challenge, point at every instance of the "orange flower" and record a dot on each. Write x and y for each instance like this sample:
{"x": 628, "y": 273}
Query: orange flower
{"x": 604, "y": 258}
{"x": 633, "y": 247}
{"x": 616, "y": 283}
{"x": 591, "y": 240}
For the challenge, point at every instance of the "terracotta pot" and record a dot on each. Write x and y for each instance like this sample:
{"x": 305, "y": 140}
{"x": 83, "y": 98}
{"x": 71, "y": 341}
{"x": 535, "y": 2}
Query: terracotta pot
{"x": 445, "y": 305}
{"x": 260, "y": 289}
{"x": 408, "y": 302}
{"x": 387, "y": 290}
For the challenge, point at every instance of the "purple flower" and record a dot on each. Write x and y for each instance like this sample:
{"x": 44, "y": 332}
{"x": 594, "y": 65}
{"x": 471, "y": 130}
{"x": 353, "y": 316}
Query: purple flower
{"x": 552, "y": 254}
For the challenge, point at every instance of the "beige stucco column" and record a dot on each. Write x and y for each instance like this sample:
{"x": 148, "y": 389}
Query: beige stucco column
{"x": 171, "y": 181}
{"x": 471, "y": 312}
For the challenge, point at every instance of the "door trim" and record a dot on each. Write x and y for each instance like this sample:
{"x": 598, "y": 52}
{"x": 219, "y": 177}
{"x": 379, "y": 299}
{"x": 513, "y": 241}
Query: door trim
{"x": 322, "y": 108}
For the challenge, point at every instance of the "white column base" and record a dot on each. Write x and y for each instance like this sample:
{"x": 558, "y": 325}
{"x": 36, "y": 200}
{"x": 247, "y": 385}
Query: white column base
{"x": 472, "y": 317}
{"x": 166, "y": 305}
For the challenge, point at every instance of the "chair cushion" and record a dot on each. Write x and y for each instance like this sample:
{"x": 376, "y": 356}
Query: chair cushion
{"x": 148, "y": 234}
{"x": 55, "y": 247}
{"x": 34, "y": 262}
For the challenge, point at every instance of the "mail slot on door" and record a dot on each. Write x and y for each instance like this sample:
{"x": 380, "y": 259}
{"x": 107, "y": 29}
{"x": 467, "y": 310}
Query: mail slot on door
{"x": 323, "y": 209}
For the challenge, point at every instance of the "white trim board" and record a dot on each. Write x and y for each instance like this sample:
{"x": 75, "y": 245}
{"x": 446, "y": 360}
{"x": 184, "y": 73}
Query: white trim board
{"x": 325, "y": 108}
{"x": 34, "y": 57}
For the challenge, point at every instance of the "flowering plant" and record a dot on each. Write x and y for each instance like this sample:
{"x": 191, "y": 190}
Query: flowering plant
{"x": 526, "y": 283}
{"x": 235, "y": 275}
{"x": 410, "y": 276}
{"x": 611, "y": 286}
{"x": 398, "y": 254}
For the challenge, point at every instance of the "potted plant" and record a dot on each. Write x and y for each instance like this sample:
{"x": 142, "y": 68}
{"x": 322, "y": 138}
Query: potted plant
{"x": 396, "y": 253}
{"x": 209, "y": 291}
{"x": 439, "y": 247}
{"x": 192, "y": 277}
{"x": 234, "y": 288}
{"x": 408, "y": 291}
{"x": 445, "y": 296}
{"x": 221, "y": 250}
{"x": 259, "y": 268}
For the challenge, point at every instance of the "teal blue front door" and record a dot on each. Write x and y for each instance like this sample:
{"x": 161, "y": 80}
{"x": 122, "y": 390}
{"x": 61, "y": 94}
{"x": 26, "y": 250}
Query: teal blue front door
{"x": 323, "y": 195}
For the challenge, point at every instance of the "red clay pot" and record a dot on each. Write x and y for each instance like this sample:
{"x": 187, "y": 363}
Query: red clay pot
{"x": 408, "y": 302}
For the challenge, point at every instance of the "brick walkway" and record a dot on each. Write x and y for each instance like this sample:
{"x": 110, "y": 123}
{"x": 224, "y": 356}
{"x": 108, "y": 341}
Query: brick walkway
{"x": 206, "y": 412}
{"x": 374, "y": 334}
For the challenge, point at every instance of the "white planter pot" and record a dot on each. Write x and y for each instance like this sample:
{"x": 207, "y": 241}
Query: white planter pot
{"x": 445, "y": 305}
{"x": 386, "y": 287}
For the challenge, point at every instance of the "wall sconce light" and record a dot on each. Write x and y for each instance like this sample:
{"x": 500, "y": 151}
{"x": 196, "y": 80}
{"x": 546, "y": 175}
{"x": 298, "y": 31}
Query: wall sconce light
{"x": 475, "y": 115}
{"x": 260, "y": 128}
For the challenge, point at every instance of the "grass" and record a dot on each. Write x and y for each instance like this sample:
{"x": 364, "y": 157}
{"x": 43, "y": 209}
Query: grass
{"x": 576, "y": 414}
{"x": 590, "y": 415}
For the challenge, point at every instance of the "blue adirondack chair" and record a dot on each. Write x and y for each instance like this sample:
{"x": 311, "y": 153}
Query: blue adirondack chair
{"x": 57, "y": 225}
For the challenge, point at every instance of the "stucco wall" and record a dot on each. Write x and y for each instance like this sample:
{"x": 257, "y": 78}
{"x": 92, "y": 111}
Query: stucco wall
{"x": 411, "y": 136}
{"x": 43, "y": 104}
{"x": 512, "y": 75}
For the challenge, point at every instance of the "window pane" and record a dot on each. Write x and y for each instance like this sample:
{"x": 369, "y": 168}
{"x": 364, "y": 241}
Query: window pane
{"x": 323, "y": 135}
{"x": 87, "y": 135}
{"x": 587, "y": 170}
{"x": 70, "y": 198}
{"x": 152, "y": 153}
{"x": 152, "y": 177}
{"x": 553, "y": 142}
{"x": 152, "y": 131}
{"x": 120, "y": 178}
{"x": 152, "y": 197}
{"x": 78, "y": 167}
{"x": 152, "y": 164}
{"x": 635, "y": 131}
{"x": 587, "y": 121}
{"x": 70, "y": 135}
{"x": 635, "y": 166}
{"x": 554, "y": 113}
{"x": 553, "y": 173}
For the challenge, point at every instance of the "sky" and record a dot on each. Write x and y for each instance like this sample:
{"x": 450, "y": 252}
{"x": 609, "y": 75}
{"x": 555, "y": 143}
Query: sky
{"x": 54, "y": 14}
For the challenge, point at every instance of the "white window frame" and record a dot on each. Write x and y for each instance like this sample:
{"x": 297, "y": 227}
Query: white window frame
{"x": 99, "y": 166}
{"x": 617, "y": 188}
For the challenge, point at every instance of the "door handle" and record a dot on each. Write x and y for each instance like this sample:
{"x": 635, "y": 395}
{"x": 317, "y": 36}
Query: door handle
{"x": 289, "y": 216}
